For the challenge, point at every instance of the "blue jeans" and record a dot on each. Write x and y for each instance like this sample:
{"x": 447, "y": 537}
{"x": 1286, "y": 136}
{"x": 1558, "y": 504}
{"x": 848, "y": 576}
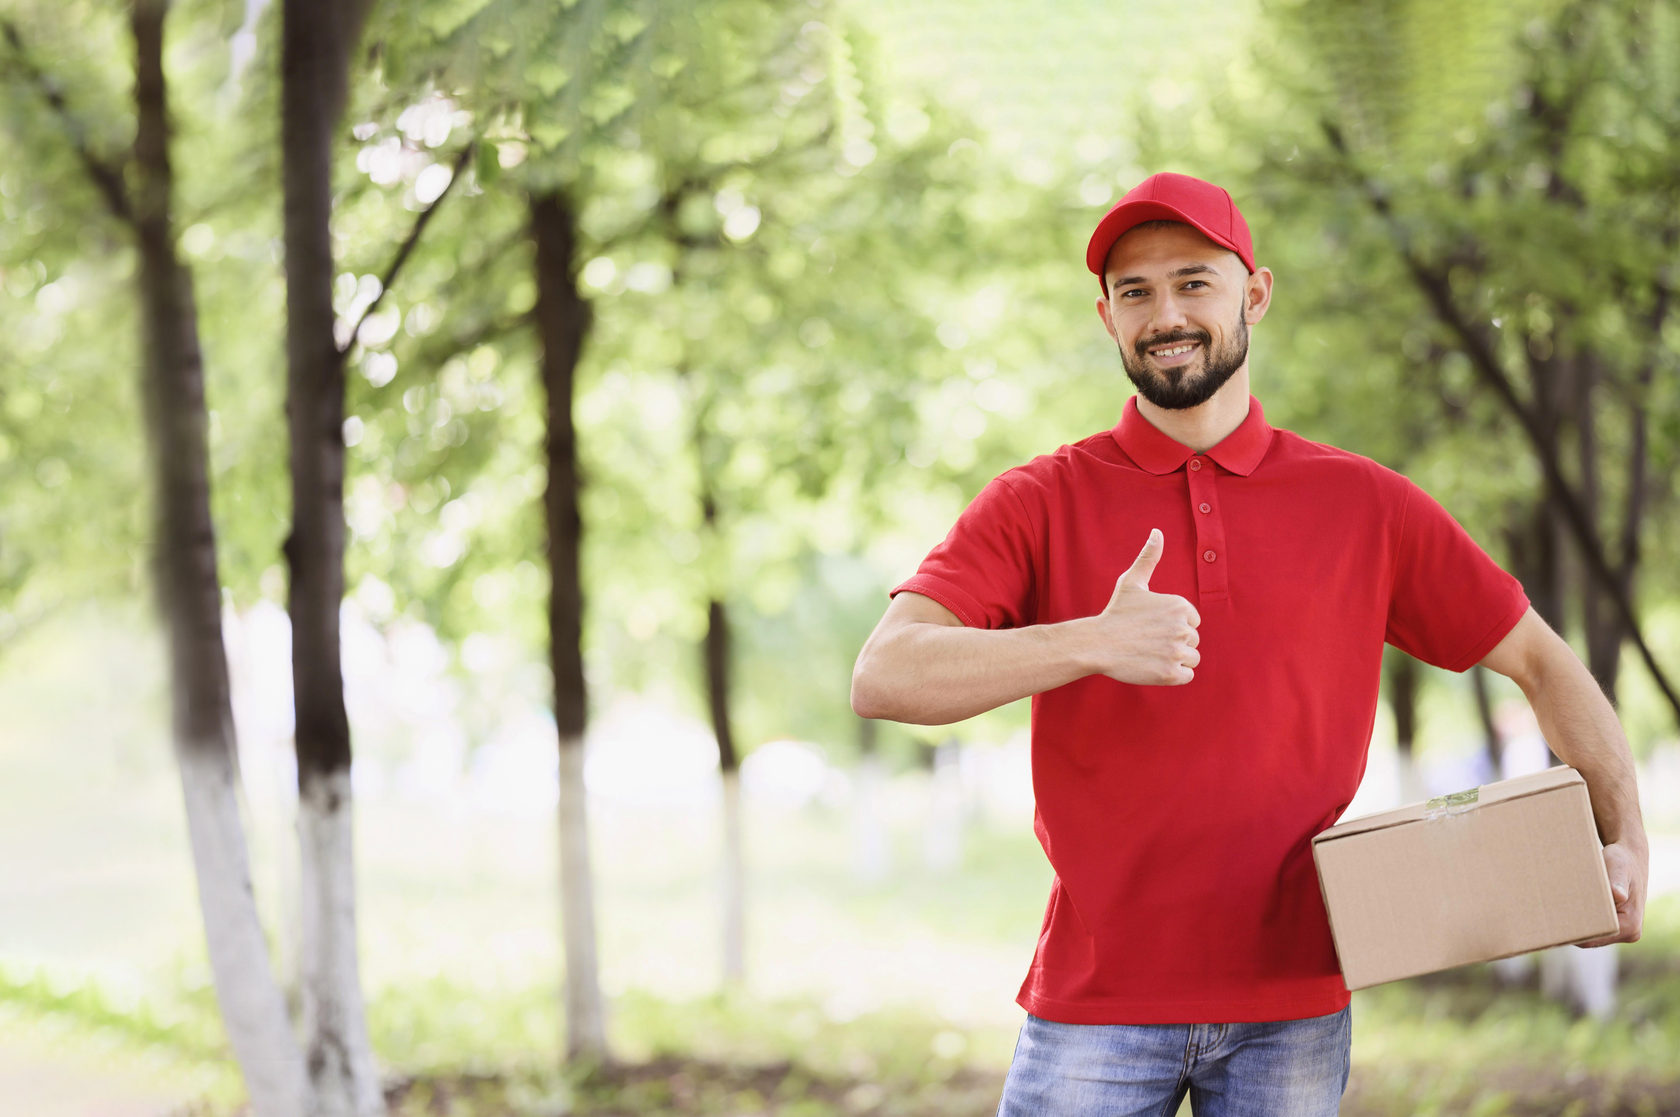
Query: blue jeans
{"x": 1286, "y": 1068}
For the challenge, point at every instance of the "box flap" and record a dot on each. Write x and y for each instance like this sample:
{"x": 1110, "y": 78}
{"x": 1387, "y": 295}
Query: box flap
{"x": 1514, "y": 788}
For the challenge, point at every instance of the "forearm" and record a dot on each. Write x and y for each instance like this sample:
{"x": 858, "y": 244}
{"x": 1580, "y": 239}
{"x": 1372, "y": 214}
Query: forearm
{"x": 1582, "y": 728}
{"x": 934, "y": 674}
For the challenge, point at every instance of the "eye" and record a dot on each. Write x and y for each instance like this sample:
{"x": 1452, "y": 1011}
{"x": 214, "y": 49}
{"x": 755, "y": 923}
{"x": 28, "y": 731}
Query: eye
{"x": 1194, "y": 283}
{"x": 1129, "y": 292}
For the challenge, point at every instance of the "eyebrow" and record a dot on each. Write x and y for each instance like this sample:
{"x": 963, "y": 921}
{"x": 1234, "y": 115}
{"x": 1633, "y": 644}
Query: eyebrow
{"x": 1188, "y": 269}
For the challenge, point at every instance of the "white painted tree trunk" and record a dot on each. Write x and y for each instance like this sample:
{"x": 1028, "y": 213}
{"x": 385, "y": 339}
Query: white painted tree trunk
{"x": 734, "y": 883}
{"x": 586, "y": 1031}
{"x": 871, "y": 853}
{"x": 942, "y": 838}
{"x": 253, "y": 1011}
{"x": 1585, "y": 980}
{"x": 1413, "y": 789}
{"x": 340, "y": 1059}
{"x": 1515, "y": 970}
{"x": 288, "y": 902}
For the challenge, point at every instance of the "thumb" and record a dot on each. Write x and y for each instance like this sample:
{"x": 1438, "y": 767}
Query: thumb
{"x": 1144, "y": 565}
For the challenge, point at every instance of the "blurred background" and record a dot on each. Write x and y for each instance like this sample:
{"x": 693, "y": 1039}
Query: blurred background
{"x": 758, "y": 295}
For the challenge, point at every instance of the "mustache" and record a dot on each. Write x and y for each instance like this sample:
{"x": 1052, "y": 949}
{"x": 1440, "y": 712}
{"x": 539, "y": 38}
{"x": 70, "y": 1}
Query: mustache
{"x": 1201, "y": 337}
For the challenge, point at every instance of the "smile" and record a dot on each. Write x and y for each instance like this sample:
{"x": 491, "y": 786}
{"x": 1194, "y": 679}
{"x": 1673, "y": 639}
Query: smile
{"x": 1172, "y": 351}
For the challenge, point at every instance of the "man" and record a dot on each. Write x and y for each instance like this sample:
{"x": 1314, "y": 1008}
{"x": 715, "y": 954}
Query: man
{"x": 1198, "y": 603}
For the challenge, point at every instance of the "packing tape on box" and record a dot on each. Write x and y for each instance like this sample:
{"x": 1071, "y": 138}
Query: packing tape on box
{"x": 1445, "y": 806}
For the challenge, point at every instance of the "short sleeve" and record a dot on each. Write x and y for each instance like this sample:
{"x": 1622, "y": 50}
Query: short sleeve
{"x": 984, "y": 571}
{"x": 1450, "y": 603}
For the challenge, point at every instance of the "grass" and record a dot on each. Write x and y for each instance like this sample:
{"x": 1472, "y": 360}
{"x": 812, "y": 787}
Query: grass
{"x": 1459, "y": 1043}
{"x": 1464, "y": 1042}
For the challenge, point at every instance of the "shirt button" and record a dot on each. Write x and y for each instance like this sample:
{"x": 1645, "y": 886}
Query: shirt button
{"x": 1195, "y": 463}
{"x": 1205, "y": 507}
{"x": 1209, "y": 556}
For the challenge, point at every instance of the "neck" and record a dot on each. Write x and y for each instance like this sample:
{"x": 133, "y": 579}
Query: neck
{"x": 1208, "y": 424}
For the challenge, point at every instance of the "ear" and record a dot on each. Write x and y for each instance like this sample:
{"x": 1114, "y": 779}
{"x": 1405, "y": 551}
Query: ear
{"x": 1257, "y": 297}
{"x": 1103, "y": 312}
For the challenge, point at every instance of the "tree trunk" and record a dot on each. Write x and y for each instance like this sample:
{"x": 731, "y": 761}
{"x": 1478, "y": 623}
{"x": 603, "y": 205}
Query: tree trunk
{"x": 872, "y": 858}
{"x": 1403, "y": 699}
{"x": 729, "y": 761}
{"x": 1600, "y": 623}
{"x": 1533, "y": 540}
{"x": 942, "y": 835}
{"x": 1492, "y": 742}
{"x": 562, "y": 320}
{"x": 189, "y": 595}
{"x": 315, "y": 44}
{"x": 716, "y": 665}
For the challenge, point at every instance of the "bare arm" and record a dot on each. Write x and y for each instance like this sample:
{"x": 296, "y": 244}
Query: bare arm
{"x": 922, "y": 665}
{"x": 1582, "y": 729}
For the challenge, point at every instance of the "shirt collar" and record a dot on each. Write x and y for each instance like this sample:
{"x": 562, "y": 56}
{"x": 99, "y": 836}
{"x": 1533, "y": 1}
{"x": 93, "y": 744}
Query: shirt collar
{"x": 1240, "y": 451}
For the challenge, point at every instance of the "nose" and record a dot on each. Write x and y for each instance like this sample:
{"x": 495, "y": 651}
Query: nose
{"x": 1166, "y": 315}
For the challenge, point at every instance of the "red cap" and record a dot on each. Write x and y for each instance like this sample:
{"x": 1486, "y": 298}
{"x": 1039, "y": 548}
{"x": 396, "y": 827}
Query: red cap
{"x": 1170, "y": 197}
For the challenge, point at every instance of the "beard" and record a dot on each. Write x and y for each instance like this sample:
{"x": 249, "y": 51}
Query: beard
{"x": 1179, "y": 389}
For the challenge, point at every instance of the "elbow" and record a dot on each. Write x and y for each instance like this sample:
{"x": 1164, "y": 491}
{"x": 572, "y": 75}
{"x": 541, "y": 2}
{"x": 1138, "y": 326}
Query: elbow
{"x": 869, "y": 697}
{"x": 881, "y": 694}
{"x": 878, "y": 683}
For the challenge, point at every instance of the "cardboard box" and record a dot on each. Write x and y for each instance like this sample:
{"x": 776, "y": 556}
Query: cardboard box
{"x": 1498, "y": 870}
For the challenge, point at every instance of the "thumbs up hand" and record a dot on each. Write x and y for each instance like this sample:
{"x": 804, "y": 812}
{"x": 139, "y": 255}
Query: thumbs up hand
{"x": 1142, "y": 637}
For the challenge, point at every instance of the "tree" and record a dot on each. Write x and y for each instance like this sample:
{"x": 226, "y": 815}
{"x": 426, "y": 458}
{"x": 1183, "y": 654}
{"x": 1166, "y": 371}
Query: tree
{"x": 562, "y": 318}
{"x": 185, "y": 568}
{"x": 795, "y": 399}
{"x": 563, "y": 89}
{"x": 317, "y": 40}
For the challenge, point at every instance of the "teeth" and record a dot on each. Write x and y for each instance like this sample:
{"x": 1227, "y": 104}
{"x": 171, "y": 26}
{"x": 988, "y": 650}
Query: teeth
{"x": 1174, "y": 351}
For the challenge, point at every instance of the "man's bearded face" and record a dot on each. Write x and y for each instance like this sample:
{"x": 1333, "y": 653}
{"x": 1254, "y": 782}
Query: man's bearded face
{"x": 1179, "y": 387}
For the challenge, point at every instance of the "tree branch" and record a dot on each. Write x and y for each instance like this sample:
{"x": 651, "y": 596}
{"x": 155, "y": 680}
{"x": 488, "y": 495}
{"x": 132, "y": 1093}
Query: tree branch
{"x": 491, "y": 329}
{"x": 107, "y": 176}
{"x": 408, "y": 245}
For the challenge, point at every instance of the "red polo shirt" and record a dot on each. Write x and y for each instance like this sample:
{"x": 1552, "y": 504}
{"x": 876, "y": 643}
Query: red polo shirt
{"x": 1179, "y": 819}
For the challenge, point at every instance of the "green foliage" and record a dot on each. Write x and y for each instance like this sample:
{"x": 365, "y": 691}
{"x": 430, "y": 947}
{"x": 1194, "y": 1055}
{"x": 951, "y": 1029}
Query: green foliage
{"x": 67, "y": 264}
{"x": 756, "y": 252}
